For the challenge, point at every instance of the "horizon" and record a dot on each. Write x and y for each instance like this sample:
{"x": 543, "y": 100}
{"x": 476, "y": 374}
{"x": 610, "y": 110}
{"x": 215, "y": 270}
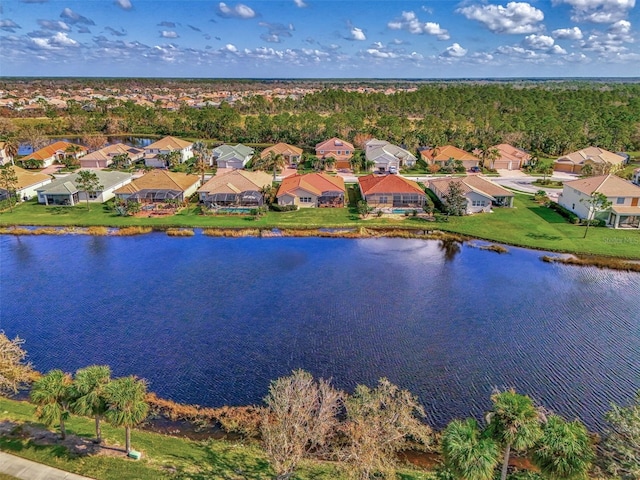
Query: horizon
{"x": 319, "y": 39}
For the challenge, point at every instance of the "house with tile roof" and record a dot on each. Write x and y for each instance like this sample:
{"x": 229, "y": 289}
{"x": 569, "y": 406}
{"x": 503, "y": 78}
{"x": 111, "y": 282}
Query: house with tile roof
{"x": 393, "y": 192}
{"x": 159, "y": 186}
{"x": 164, "y": 146}
{"x": 292, "y": 155}
{"x": 230, "y": 156}
{"x": 338, "y": 149}
{"x": 65, "y": 191}
{"x": 387, "y": 157}
{"x": 509, "y": 157}
{"x": 28, "y": 183}
{"x": 238, "y": 188}
{"x": 312, "y": 190}
{"x": 574, "y": 162}
{"x": 481, "y": 193}
{"x": 441, "y": 155}
{"x": 57, "y": 151}
{"x": 623, "y": 195}
{"x": 103, "y": 157}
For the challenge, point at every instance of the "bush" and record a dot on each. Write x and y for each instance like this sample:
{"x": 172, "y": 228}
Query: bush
{"x": 283, "y": 208}
{"x": 568, "y": 214}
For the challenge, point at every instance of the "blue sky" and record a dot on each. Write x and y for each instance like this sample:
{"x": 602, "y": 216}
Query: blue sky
{"x": 319, "y": 38}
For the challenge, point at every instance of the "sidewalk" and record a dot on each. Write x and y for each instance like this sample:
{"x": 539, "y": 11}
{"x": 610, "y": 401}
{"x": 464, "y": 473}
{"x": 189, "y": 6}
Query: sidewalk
{"x": 28, "y": 470}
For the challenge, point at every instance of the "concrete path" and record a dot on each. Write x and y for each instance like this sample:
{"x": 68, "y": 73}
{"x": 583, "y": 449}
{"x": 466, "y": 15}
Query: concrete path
{"x": 27, "y": 470}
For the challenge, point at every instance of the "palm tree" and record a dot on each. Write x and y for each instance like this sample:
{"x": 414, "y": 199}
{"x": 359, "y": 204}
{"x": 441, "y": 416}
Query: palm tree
{"x": 468, "y": 453}
{"x": 11, "y": 148}
{"x": 514, "y": 423}
{"x": 564, "y": 451}
{"x": 88, "y": 393}
{"x": 51, "y": 395}
{"x": 126, "y": 403}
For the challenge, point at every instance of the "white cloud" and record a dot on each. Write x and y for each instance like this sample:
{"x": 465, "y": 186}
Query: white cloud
{"x": 538, "y": 42}
{"x": 230, "y": 47}
{"x": 239, "y": 11}
{"x": 169, "y": 34}
{"x": 568, "y": 33}
{"x": 124, "y": 4}
{"x": 61, "y": 39}
{"x": 598, "y": 11}
{"x": 410, "y": 22}
{"x": 621, "y": 27}
{"x": 455, "y": 51}
{"x": 376, "y": 53}
{"x": 357, "y": 34}
{"x": 610, "y": 42}
{"x": 9, "y": 25}
{"x": 56, "y": 25}
{"x": 276, "y": 31}
{"x": 557, "y": 50}
{"x": 300, "y": 3}
{"x": 515, "y": 18}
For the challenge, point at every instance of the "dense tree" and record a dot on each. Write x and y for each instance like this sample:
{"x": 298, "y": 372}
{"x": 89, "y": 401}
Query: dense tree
{"x": 15, "y": 371}
{"x": 514, "y": 422}
{"x": 300, "y": 417}
{"x": 88, "y": 393}
{"x": 51, "y": 394}
{"x": 454, "y": 202}
{"x": 469, "y": 453}
{"x": 88, "y": 182}
{"x": 126, "y": 404}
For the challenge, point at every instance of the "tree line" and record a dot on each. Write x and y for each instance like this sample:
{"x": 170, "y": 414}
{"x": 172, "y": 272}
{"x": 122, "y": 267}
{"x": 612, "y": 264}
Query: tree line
{"x": 548, "y": 120}
{"x": 365, "y": 431}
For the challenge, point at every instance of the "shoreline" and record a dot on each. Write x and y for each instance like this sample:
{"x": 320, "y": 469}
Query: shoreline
{"x": 564, "y": 257}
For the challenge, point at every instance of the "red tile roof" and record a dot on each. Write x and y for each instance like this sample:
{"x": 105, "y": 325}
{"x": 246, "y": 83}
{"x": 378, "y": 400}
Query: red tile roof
{"x": 51, "y": 150}
{"x": 388, "y": 184}
{"x": 315, "y": 183}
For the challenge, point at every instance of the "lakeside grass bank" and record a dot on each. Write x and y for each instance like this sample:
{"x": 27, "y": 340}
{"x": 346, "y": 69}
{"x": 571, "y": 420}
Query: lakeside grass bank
{"x": 528, "y": 225}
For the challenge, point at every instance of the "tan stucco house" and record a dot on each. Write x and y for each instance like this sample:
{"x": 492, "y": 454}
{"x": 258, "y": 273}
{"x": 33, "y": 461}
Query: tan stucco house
{"x": 312, "y": 190}
{"x": 481, "y": 194}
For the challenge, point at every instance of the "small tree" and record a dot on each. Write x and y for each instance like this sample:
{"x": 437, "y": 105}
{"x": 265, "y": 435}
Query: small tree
{"x": 121, "y": 160}
{"x": 468, "y": 452}
{"x": 595, "y": 203}
{"x": 453, "y": 201}
{"x": 51, "y": 394}
{"x": 363, "y": 208}
{"x": 300, "y": 417}
{"x": 88, "y": 394}
{"x": 14, "y": 370}
{"x": 89, "y": 182}
{"x": 94, "y": 142}
{"x": 428, "y": 206}
{"x": 621, "y": 443}
{"x": 126, "y": 404}
{"x": 381, "y": 422}
{"x": 9, "y": 182}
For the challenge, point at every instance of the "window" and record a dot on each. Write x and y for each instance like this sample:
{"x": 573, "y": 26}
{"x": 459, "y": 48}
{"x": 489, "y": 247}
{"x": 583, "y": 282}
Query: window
{"x": 383, "y": 199}
{"x": 305, "y": 199}
{"x": 93, "y": 195}
{"x": 347, "y": 152}
{"x": 620, "y": 201}
{"x": 321, "y": 151}
{"x": 478, "y": 203}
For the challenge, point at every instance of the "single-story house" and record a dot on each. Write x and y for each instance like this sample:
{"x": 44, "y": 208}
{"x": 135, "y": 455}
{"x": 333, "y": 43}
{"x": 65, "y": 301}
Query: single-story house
{"x": 104, "y": 157}
{"x": 391, "y": 192}
{"x": 160, "y": 185}
{"x": 238, "y": 188}
{"x": 312, "y": 190}
{"x": 481, "y": 194}
{"x": 441, "y": 155}
{"x": 509, "y": 157}
{"x": 228, "y": 156}
{"x": 65, "y": 191}
{"x": 340, "y": 150}
{"x": 28, "y": 183}
{"x": 56, "y": 151}
{"x": 164, "y": 146}
{"x": 636, "y": 176}
{"x": 387, "y": 157}
{"x": 574, "y": 162}
{"x": 4, "y": 156}
{"x": 292, "y": 155}
{"x": 623, "y": 195}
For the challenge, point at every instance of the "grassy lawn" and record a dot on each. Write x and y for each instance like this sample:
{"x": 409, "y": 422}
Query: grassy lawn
{"x": 164, "y": 457}
{"x": 528, "y": 225}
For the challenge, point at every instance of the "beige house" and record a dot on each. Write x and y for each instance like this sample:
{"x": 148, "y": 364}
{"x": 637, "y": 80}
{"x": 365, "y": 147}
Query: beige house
{"x": 159, "y": 186}
{"x": 312, "y": 190}
{"x": 623, "y": 195}
{"x": 292, "y": 155}
{"x": 481, "y": 194}
{"x": 509, "y": 157}
{"x": 441, "y": 155}
{"x": 28, "y": 183}
{"x": 387, "y": 157}
{"x": 164, "y": 146}
{"x": 65, "y": 190}
{"x": 576, "y": 161}
{"x": 238, "y": 188}
{"x": 338, "y": 149}
{"x": 104, "y": 157}
{"x": 390, "y": 192}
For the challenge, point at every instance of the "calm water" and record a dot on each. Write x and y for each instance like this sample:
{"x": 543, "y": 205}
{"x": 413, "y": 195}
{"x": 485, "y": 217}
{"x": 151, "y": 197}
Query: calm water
{"x": 212, "y": 321}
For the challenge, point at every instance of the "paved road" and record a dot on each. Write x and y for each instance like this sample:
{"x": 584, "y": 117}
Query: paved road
{"x": 27, "y": 470}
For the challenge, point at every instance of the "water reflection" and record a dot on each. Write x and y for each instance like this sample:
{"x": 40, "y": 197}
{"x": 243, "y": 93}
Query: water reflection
{"x": 450, "y": 248}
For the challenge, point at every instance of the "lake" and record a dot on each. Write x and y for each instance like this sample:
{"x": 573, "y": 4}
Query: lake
{"x": 212, "y": 320}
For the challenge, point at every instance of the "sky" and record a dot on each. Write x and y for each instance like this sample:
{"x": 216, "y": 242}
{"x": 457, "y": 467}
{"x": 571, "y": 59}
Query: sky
{"x": 320, "y": 38}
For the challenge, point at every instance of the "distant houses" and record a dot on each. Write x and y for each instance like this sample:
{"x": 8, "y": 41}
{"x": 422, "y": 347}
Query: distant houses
{"x": 339, "y": 150}
{"x": 596, "y": 157}
{"x": 292, "y": 155}
{"x": 448, "y": 153}
{"x": 229, "y": 156}
{"x": 57, "y": 151}
{"x": 65, "y": 190}
{"x": 508, "y": 157}
{"x": 103, "y": 158}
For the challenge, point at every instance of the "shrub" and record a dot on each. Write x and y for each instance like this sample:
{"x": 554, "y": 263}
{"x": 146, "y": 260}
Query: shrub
{"x": 568, "y": 214}
{"x": 283, "y": 208}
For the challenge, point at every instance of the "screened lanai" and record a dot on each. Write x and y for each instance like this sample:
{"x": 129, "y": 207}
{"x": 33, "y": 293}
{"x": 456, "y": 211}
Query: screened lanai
{"x": 250, "y": 198}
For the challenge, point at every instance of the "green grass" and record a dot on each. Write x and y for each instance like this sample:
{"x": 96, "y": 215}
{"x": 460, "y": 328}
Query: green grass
{"x": 164, "y": 457}
{"x": 528, "y": 225}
